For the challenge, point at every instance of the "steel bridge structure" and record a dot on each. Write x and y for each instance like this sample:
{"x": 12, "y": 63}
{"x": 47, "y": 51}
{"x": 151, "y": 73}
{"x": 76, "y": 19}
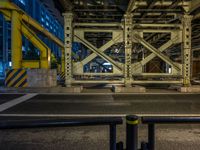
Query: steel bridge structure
{"x": 142, "y": 33}
{"x": 129, "y": 42}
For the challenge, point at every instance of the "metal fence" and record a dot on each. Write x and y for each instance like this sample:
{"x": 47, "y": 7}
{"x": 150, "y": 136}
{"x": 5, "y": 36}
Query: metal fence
{"x": 132, "y": 123}
{"x": 112, "y": 122}
{"x": 152, "y": 121}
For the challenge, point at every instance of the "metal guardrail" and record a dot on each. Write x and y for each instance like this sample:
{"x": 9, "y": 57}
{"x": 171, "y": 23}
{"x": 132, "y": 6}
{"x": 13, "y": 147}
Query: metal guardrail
{"x": 111, "y": 121}
{"x": 132, "y": 123}
{"x": 152, "y": 121}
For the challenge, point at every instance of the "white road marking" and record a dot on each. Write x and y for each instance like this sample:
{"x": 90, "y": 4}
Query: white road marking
{"x": 97, "y": 115}
{"x": 16, "y": 101}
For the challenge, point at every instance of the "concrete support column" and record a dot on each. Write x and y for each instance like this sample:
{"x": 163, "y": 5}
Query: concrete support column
{"x": 16, "y": 40}
{"x": 128, "y": 49}
{"x": 186, "y": 49}
{"x": 68, "y": 28}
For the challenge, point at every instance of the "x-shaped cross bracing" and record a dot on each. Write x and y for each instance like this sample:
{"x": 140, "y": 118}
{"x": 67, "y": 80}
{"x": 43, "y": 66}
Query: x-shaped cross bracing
{"x": 156, "y": 52}
{"x": 98, "y": 51}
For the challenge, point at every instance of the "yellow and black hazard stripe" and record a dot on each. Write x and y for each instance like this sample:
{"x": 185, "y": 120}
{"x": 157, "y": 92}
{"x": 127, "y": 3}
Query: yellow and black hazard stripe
{"x": 16, "y": 78}
{"x": 61, "y": 76}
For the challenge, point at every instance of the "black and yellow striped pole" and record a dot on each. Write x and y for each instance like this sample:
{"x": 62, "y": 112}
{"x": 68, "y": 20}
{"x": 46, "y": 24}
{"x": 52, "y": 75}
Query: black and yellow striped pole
{"x": 132, "y": 132}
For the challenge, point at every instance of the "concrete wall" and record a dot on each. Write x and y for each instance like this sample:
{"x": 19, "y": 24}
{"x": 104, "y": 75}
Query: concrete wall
{"x": 42, "y": 78}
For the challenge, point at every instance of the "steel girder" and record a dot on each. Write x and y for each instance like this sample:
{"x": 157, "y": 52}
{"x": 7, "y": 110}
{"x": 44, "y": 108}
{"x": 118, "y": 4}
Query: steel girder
{"x": 68, "y": 24}
{"x": 116, "y": 38}
{"x": 194, "y": 4}
{"x": 45, "y": 52}
{"x": 133, "y": 4}
{"x": 128, "y": 32}
{"x": 128, "y": 69}
{"x": 133, "y": 33}
{"x": 18, "y": 27}
{"x": 175, "y": 38}
{"x": 6, "y": 8}
{"x": 16, "y": 45}
{"x": 158, "y": 52}
{"x": 187, "y": 51}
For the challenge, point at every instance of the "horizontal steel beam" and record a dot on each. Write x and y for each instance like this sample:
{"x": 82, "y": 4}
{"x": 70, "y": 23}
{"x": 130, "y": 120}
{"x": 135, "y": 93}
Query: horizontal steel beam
{"x": 157, "y": 82}
{"x": 155, "y": 75}
{"x": 98, "y": 81}
{"x": 98, "y": 74}
{"x": 98, "y": 24}
{"x": 158, "y": 25}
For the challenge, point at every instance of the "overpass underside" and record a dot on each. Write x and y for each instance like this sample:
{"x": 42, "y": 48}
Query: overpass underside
{"x": 130, "y": 43}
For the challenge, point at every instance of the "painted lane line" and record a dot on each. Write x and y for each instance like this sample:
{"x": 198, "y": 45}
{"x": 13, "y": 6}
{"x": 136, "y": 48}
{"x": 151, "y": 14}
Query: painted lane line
{"x": 97, "y": 115}
{"x": 16, "y": 101}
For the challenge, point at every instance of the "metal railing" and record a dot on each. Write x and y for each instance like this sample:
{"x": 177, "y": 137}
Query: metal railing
{"x": 112, "y": 122}
{"x": 152, "y": 121}
{"x": 132, "y": 123}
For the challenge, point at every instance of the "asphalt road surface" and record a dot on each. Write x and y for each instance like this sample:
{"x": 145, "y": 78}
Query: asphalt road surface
{"x": 29, "y": 106}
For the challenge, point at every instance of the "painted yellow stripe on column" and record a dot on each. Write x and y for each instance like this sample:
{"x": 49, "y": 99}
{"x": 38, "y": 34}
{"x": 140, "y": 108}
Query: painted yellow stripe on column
{"x": 16, "y": 77}
{"x": 26, "y": 84}
{"x": 22, "y": 80}
{"x": 10, "y": 75}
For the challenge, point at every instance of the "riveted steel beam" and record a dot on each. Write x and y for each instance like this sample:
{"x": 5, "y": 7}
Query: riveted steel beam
{"x": 186, "y": 48}
{"x": 68, "y": 31}
{"x": 128, "y": 31}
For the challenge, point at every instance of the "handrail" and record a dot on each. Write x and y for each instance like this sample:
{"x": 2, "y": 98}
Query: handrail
{"x": 152, "y": 121}
{"x": 132, "y": 123}
{"x": 33, "y": 123}
{"x": 170, "y": 120}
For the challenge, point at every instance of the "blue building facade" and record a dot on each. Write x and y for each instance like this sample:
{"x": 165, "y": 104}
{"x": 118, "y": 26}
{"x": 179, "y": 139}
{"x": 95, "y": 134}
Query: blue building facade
{"x": 37, "y": 10}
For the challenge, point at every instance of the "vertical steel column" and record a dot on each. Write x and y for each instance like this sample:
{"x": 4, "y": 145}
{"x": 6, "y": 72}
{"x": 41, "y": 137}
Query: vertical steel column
{"x": 63, "y": 60}
{"x": 16, "y": 40}
{"x": 128, "y": 49}
{"x": 68, "y": 27}
{"x": 186, "y": 49}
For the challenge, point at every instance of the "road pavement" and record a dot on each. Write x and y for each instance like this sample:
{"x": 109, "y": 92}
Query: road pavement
{"x": 40, "y": 106}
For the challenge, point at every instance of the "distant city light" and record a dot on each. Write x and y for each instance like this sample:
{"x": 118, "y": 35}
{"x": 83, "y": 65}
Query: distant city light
{"x": 107, "y": 64}
{"x": 117, "y": 50}
{"x": 170, "y": 70}
{"x": 10, "y": 64}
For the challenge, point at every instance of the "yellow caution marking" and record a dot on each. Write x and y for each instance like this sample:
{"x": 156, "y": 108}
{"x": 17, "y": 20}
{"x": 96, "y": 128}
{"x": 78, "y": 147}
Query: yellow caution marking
{"x": 16, "y": 78}
{"x": 132, "y": 122}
